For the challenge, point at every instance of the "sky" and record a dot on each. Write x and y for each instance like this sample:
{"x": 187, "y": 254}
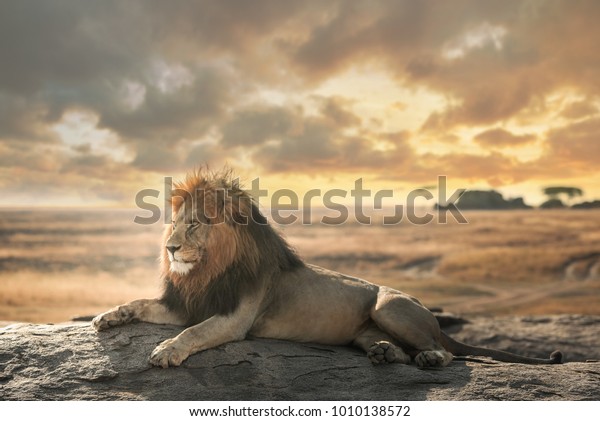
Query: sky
{"x": 101, "y": 99}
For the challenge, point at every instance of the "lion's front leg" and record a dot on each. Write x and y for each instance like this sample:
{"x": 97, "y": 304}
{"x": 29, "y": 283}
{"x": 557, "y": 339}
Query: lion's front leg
{"x": 171, "y": 353}
{"x": 151, "y": 311}
{"x": 212, "y": 332}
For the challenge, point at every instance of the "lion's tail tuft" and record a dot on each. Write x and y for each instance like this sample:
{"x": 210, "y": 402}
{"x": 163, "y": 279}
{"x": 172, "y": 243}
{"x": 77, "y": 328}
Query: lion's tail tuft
{"x": 556, "y": 357}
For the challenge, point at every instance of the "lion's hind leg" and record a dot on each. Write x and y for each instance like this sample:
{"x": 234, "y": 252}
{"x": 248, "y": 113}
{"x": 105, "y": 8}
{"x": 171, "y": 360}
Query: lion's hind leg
{"x": 433, "y": 358}
{"x": 408, "y": 322}
{"x": 380, "y": 347}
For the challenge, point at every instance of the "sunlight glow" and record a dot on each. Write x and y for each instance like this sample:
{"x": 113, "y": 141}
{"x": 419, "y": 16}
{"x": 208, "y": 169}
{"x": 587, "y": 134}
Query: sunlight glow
{"x": 378, "y": 97}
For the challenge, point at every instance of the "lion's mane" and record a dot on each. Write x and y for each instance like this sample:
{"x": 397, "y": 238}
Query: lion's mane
{"x": 242, "y": 253}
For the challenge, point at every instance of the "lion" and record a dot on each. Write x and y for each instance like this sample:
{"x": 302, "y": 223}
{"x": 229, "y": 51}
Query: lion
{"x": 228, "y": 275}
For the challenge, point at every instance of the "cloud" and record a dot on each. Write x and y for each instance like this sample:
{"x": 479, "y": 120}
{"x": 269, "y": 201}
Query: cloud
{"x": 259, "y": 124}
{"x": 200, "y": 154}
{"x": 502, "y": 138}
{"x": 320, "y": 149}
{"x": 579, "y": 109}
{"x": 336, "y": 109}
{"x": 492, "y": 60}
{"x": 310, "y": 147}
{"x": 540, "y": 55}
{"x": 184, "y": 111}
{"x": 157, "y": 156}
{"x": 17, "y": 155}
{"x": 575, "y": 144}
{"x": 171, "y": 84}
{"x": 495, "y": 168}
{"x": 71, "y": 55}
{"x": 331, "y": 137}
{"x": 24, "y": 119}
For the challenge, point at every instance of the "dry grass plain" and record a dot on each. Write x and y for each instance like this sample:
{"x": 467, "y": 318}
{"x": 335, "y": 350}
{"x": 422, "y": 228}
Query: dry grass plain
{"x": 56, "y": 264}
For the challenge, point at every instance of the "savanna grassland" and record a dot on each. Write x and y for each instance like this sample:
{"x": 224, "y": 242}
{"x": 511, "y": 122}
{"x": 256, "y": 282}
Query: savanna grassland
{"x": 57, "y": 264}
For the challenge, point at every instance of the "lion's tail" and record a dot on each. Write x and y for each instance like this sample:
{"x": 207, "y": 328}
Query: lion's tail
{"x": 461, "y": 349}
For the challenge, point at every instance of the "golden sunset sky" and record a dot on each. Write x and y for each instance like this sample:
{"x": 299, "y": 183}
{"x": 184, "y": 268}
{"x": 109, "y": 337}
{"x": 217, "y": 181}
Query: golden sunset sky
{"x": 100, "y": 99}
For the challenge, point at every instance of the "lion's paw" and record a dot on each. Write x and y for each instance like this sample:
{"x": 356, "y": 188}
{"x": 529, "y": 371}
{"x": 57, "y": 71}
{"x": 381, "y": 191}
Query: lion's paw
{"x": 385, "y": 352}
{"x": 116, "y": 317}
{"x": 169, "y": 353}
{"x": 426, "y": 359}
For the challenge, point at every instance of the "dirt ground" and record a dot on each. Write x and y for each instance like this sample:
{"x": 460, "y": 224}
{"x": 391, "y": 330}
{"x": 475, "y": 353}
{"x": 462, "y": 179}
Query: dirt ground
{"x": 57, "y": 264}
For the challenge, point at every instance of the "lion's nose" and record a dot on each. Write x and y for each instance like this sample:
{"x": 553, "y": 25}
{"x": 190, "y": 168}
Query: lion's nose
{"x": 173, "y": 249}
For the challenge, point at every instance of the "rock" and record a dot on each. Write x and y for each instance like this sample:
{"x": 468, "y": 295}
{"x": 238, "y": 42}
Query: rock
{"x": 87, "y": 318}
{"x": 595, "y": 204}
{"x": 449, "y": 319}
{"x": 552, "y": 204}
{"x": 577, "y": 336}
{"x": 486, "y": 200}
{"x": 72, "y": 361}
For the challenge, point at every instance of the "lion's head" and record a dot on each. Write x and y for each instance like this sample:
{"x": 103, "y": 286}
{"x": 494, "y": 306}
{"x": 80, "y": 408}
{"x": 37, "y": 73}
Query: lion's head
{"x": 210, "y": 217}
{"x": 219, "y": 246}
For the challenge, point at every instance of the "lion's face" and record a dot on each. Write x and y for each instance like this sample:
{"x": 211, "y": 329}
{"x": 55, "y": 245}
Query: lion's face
{"x": 186, "y": 245}
{"x": 209, "y": 230}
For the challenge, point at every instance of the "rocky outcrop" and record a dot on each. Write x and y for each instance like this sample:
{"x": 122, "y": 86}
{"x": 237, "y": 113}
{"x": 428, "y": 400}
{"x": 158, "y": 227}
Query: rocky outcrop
{"x": 577, "y": 336}
{"x": 487, "y": 200}
{"x": 595, "y": 204}
{"x": 57, "y": 362}
{"x": 552, "y": 204}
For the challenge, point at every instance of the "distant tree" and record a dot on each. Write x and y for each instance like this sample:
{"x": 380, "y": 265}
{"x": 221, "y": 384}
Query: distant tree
{"x": 570, "y": 192}
{"x": 552, "y": 204}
